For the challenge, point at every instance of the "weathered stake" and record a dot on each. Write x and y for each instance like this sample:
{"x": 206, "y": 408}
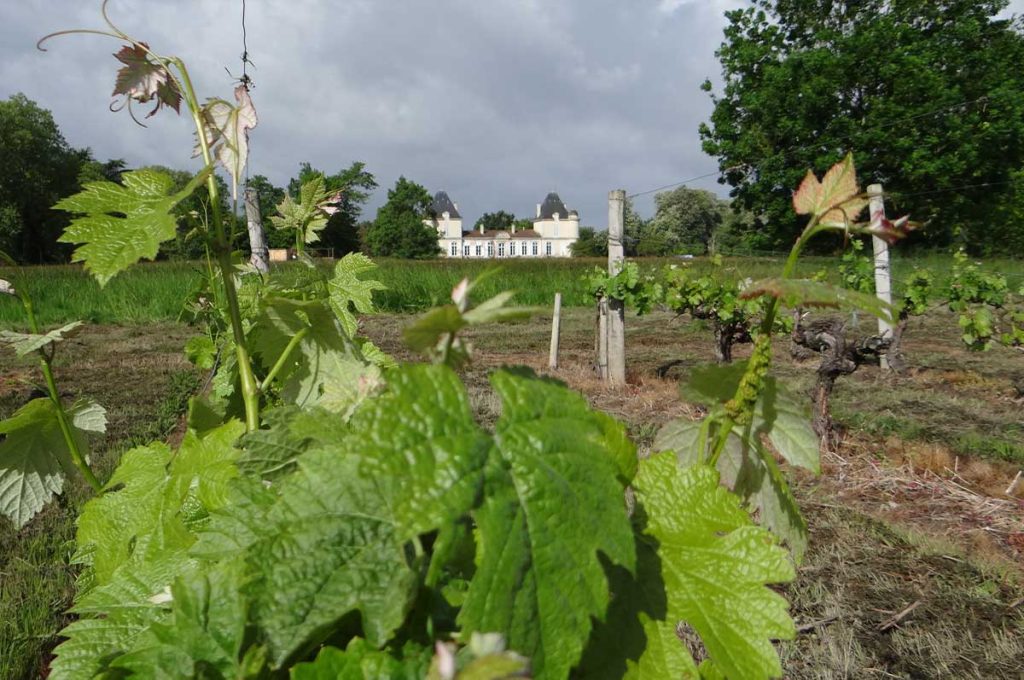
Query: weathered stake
{"x": 883, "y": 275}
{"x": 616, "y": 309}
{"x": 260, "y": 257}
{"x": 556, "y": 327}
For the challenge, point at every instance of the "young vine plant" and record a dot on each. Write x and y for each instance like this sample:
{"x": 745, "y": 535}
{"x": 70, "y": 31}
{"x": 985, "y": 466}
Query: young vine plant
{"x": 331, "y": 513}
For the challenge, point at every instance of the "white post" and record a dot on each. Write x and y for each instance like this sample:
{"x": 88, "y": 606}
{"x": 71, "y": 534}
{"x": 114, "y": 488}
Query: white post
{"x": 556, "y": 328}
{"x": 260, "y": 257}
{"x": 616, "y": 309}
{"x": 883, "y": 275}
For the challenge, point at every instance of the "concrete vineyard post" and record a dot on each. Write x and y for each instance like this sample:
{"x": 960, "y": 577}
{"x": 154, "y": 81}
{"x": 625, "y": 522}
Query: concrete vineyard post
{"x": 883, "y": 274}
{"x": 556, "y": 327}
{"x": 616, "y": 308}
{"x": 260, "y": 257}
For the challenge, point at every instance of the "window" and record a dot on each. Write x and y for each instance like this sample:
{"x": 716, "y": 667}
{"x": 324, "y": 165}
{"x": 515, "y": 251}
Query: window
{"x": 479, "y": 250}
{"x": 547, "y": 248}
{"x": 454, "y": 250}
{"x": 501, "y": 250}
{"x": 534, "y": 247}
{"x": 490, "y": 250}
{"x": 465, "y": 250}
{"x": 512, "y": 249}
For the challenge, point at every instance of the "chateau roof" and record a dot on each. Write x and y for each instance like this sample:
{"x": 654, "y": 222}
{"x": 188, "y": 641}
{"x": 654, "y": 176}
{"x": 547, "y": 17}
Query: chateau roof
{"x": 501, "y": 233}
{"x": 551, "y": 205}
{"x": 442, "y": 204}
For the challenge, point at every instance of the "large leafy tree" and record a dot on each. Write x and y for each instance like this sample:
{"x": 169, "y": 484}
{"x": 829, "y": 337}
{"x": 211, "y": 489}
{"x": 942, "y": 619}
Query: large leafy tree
{"x": 37, "y": 168}
{"x": 928, "y": 93}
{"x": 686, "y": 219}
{"x": 399, "y": 230}
{"x": 497, "y": 220}
{"x": 591, "y": 243}
{"x": 355, "y": 184}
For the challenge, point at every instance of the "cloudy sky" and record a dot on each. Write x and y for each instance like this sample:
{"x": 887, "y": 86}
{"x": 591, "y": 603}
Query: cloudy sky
{"x": 495, "y": 101}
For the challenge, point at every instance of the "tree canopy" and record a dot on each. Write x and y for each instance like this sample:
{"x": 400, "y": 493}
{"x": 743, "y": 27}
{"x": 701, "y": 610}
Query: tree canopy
{"x": 926, "y": 93}
{"x": 37, "y": 168}
{"x": 399, "y": 230}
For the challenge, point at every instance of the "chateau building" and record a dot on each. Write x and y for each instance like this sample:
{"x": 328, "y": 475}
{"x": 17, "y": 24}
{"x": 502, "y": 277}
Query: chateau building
{"x": 555, "y": 229}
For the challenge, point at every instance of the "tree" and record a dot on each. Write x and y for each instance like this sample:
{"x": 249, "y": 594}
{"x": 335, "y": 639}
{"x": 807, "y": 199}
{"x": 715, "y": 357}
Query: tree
{"x": 687, "y": 219}
{"x": 591, "y": 243}
{"x": 37, "y": 168}
{"x": 500, "y": 220}
{"x": 927, "y": 92}
{"x": 399, "y": 230}
{"x": 355, "y": 184}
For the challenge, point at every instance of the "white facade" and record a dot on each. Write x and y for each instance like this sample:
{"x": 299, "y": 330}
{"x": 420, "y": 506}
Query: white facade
{"x": 554, "y": 231}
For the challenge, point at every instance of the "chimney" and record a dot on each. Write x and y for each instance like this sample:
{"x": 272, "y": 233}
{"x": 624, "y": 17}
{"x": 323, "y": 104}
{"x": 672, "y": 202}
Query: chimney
{"x": 481, "y": 227}
{"x": 513, "y": 227}
{"x": 456, "y": 207}
{"x": 538, "y": 211}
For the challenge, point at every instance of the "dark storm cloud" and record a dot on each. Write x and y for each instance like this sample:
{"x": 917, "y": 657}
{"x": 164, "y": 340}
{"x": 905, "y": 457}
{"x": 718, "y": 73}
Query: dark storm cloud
{"x": 496, "y": 101}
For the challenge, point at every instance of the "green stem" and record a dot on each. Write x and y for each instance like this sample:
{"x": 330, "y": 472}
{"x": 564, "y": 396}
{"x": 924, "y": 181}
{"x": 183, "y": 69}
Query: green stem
{"x": 62, "y": 417}
{"x": 727, "y": 422}
{"x": 250, "y": 390}
{"x": 283, "y": 359}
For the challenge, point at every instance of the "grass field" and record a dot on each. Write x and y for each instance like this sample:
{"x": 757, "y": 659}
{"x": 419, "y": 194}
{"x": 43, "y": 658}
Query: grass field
{"x": 910, "y": 508}
{"x": 153, "y": 292}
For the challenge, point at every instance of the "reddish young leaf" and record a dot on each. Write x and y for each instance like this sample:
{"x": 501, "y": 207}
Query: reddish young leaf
{"x": 835, "y": 200}
{"x": 143, "y": 80}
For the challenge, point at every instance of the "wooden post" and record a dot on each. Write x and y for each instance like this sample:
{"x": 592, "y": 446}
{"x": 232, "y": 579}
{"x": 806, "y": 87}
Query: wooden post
{"x": 260, "y": 257}
{"x": 616, "y": 308}
{"x": 556, "y": 328}
{"x": 883, "y": 275}
{"x": 602, "y": 338}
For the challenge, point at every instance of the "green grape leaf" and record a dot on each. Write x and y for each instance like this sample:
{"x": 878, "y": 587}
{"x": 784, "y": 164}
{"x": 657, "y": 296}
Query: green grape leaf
{"x": 34, "y": 455}
{"x": 330, "y": 545}
{"x": 138, "y": 514}
{"x": 114, "y": 615}
{"x": 428, "y": 458}
{"x": 122, "y": 224}
{"x": 545, "y": 524}
{"x": 714, "y": 567}
{"x": 325, "y": 368}
{"x": 751, "y": 473}
{"x": 287, "y": 433}
{"x": 307, "y": 216}
{"x": 204, "y": 632}
{"x": 26, "y": 343}
{"x": 806, "y": 293}
{"x": 360, "y": 661}
{"x": 348, "y": 291}
{"x": 424, "y": 334}
{"x": 226, "y": 128}
{"x": 201, "y": 352}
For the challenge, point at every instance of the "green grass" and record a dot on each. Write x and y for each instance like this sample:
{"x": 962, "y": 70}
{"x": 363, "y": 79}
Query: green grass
{"x": 154, "y": 292}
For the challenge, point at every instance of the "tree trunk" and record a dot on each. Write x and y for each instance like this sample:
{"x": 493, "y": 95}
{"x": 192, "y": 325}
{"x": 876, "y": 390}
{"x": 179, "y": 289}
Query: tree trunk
{"x": 897, "y": 362}
{"x": 723, "y": 343}
{"x": 822, "y": 410}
